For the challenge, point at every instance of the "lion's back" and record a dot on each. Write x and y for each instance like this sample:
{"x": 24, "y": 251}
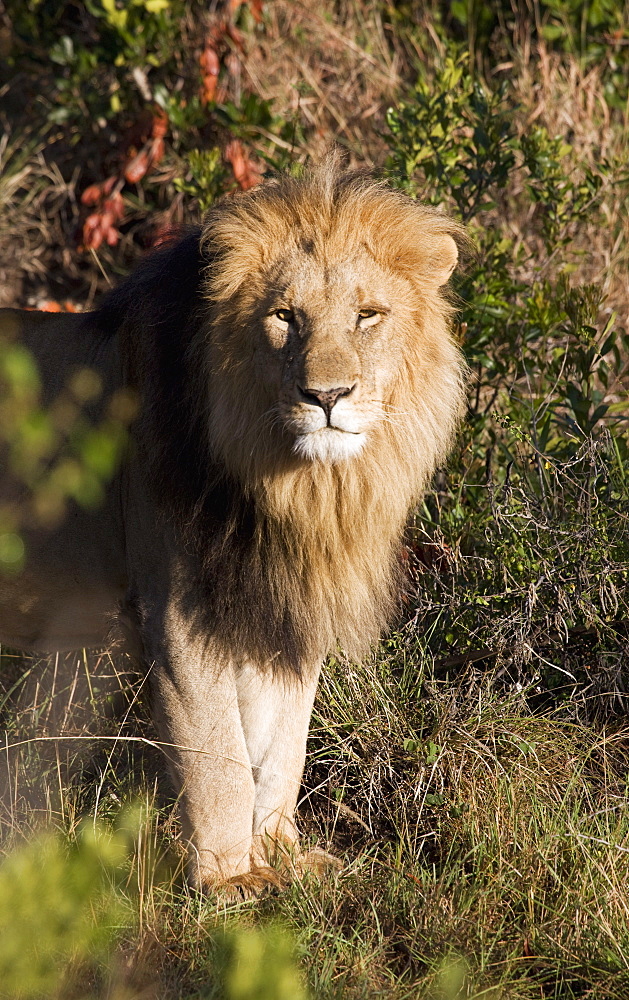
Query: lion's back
{"x": 59, "y": 345}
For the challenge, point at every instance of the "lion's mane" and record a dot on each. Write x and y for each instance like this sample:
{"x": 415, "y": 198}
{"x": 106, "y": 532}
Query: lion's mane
{"x": 286, "y": 558}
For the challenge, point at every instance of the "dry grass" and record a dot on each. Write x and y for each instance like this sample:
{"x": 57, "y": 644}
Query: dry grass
{"x": 24, "y": 230}
{"x": 485, "y": 851}
{"x": 335, "y": 72}
{"x": 569, "y": 100}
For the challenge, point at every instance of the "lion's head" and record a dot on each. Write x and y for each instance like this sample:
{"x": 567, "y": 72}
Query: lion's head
{"x": 300, "y": 384}
{"x": 328, "y": 326}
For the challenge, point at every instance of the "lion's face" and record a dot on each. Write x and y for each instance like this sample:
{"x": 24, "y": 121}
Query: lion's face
{"x": 327, "y": 352}
{"x": 327, "y": 325}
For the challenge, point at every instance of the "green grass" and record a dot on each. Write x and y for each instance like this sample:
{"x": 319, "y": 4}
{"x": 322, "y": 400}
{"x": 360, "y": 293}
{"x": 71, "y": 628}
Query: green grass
{"x": 485, "y": 852}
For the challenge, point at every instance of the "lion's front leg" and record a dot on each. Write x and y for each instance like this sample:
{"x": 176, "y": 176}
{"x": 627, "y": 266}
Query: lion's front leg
{"x": 275, "y": 712}
{"x": 197, "y": 712}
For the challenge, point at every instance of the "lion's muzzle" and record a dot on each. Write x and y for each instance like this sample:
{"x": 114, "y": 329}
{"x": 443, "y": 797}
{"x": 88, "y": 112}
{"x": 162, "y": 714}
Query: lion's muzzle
{"x": 325, "y": 398}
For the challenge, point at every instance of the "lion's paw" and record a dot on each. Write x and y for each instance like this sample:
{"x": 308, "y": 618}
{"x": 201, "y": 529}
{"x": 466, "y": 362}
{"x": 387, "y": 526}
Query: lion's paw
{"x": 263, "y": 878}
{"x": 246, "y": 885}
{"x": 288, "y": 859}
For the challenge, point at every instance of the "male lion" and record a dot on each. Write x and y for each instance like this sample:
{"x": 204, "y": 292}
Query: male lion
{"x": 298, "y": 384}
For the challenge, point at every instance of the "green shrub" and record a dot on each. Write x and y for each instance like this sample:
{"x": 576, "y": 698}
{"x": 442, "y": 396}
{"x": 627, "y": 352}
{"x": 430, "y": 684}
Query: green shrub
{"x": 522, "y": 553}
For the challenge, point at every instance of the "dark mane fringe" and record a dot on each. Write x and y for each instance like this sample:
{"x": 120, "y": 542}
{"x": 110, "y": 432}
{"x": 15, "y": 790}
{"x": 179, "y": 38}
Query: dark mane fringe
{"x": 155, "y": 313}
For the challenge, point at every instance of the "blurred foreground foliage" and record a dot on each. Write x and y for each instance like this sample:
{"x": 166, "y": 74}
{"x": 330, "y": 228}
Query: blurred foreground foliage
{"x": 57, "y": 453}
{"x": 59, "y": 910}
{"x": 66, "y": 907}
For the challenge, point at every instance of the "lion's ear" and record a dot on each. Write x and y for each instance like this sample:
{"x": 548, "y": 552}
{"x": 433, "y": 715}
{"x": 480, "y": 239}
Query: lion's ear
{"x": 444, "y": 256}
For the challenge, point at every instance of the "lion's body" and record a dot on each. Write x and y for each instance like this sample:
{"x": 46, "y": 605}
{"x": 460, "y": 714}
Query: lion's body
{"x": 75, "y": 575}
{"x": 298, "y": 385}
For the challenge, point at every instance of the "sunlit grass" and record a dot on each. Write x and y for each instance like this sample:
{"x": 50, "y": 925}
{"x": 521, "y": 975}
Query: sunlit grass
{"x": 485, "y": 853}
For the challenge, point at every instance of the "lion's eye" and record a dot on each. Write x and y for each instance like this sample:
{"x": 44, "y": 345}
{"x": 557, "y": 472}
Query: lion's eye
{"x": 367, "y": 317}
{"x": 285, "y": 315}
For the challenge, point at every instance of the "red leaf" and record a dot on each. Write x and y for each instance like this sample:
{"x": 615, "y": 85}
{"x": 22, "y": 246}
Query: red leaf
{"x": 92, "y": 232}
{"x": 209, "y": 61}
{"x": 114, "y": 207}
{"x": 52, "y": 306}
{"x": 246, "y": 172}
{"x": 160, "y": 124}
{"x": 210, "y": 67}
{"x": 137, "y": 167}
{"x": 101, "y": 225}
{"x": 208, "y": 90}
{"x": 112, "y": 236}
{"x": 156, "y": 151}
{"x": 93, "y": 194}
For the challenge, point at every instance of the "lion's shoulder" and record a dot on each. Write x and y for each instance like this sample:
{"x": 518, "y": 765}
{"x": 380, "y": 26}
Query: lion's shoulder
{"x": 163, "y": 289}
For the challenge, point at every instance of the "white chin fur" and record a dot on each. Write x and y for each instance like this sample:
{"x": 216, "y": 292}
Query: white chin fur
{"x": 329, "y": 445}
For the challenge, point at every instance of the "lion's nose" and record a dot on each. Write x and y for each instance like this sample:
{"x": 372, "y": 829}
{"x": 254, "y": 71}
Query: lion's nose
{"x": 325, "y": 398}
